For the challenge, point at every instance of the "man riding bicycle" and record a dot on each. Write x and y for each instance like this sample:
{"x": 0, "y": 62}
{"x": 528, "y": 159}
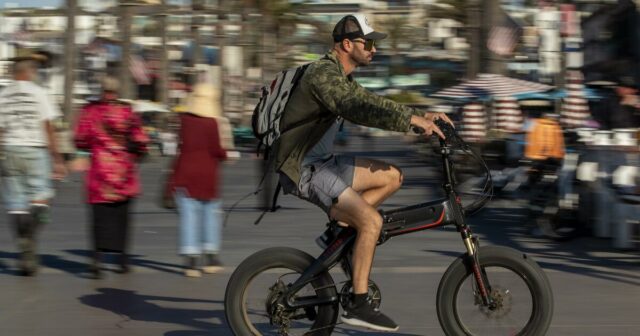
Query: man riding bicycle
{"x": 348, "y": 189}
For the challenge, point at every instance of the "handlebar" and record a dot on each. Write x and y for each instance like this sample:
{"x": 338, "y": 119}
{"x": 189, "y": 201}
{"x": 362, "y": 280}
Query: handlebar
{"x": 454, "y": 140}
{"x": 451, "y": 135}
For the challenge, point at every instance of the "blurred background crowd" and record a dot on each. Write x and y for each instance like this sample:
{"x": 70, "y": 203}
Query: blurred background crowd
{"x": 499, "y": 68}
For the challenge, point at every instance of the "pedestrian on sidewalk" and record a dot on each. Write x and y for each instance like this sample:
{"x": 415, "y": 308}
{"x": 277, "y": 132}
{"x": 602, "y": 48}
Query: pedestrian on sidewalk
{"x": 28, "y": 151}
{"x": 196, "y": 181}
{"x": 112, "y": 133}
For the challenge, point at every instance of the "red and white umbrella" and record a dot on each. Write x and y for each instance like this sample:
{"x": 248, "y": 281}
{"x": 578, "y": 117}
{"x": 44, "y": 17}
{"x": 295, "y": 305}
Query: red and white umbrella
{"x": 474, "y": 123}
{"x": 490, "y": 85}
{"x": 507, "y": 116}
{"x": 575, "y": 108}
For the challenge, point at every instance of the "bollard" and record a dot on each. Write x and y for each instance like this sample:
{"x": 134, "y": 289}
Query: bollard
{"x": 624, "y": 179}
{"x": 604, "y": 196}
{"x": 586, "y": 174}
{"x": 627, "y": 208}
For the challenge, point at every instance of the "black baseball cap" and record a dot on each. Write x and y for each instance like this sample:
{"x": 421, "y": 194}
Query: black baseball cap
{"x": 354, "y": 26}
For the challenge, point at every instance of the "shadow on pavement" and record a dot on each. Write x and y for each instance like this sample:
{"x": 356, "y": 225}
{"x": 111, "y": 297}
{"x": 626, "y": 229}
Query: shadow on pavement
{"x": 350, "y": 332}
{"x": 80, "y": 269}
{"x": 134, "y": 260}
{"x": 46, "y": 261}
{"x": 132, "y": 306}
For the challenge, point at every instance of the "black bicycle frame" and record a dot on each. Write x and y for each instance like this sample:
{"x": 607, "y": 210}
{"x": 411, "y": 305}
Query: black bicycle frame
{"x": 396, "y": 222}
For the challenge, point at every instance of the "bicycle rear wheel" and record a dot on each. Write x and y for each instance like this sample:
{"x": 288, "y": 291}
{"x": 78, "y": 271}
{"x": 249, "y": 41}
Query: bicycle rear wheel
{"x": 254, "y": 289}
{"x": 518, "y": 286}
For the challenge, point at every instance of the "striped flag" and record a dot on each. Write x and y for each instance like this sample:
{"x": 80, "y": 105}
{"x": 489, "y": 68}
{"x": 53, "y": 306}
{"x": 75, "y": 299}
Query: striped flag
{"x": 139, "y": 70}
{"x": 503, "y": 40}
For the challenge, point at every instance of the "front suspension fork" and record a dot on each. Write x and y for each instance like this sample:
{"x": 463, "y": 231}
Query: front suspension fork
{"x": 480, "y": 276}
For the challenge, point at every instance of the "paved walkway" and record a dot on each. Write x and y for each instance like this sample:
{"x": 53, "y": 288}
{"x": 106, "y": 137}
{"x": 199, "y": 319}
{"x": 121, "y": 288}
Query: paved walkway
{"x": 596, "y": 288}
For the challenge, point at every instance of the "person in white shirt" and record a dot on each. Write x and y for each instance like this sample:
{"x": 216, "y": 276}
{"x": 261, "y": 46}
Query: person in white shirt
{"x": 29, "y": 156}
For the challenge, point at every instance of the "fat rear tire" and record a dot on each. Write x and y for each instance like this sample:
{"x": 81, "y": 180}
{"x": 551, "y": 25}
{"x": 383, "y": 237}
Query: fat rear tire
{"x": 277, "y": 257}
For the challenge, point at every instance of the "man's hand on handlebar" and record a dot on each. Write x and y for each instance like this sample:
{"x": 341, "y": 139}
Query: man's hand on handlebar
{"x": 433, "y": 116}
{"x": 427, "y": 123}
{"x": 425, "y": 126}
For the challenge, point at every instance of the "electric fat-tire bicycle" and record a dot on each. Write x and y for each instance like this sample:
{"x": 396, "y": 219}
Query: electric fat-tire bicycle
{"x": 488, "y": 290}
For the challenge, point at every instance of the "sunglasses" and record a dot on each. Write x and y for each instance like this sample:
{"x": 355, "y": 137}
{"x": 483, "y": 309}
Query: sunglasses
{"x": 368, "y": 44}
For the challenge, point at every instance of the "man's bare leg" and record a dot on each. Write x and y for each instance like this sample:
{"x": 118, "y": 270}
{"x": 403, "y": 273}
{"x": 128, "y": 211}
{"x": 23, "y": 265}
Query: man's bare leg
{"x": 376, "y": 180}
{"x": 351, "y": 208}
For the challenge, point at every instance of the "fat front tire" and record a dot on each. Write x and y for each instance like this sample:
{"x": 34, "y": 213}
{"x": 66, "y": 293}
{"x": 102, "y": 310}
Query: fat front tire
{"x": 519, "y": 266}
{"x": 262, "y": 262}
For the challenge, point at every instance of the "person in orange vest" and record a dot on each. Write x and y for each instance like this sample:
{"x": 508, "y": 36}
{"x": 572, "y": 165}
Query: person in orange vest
{"x": 544, "y": 141}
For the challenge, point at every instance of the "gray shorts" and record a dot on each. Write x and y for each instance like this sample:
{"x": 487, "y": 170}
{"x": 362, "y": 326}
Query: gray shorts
{"x": 322, "y": 182}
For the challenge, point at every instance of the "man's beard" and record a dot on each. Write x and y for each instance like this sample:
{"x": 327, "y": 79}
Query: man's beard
{"x": 362, "y": 61}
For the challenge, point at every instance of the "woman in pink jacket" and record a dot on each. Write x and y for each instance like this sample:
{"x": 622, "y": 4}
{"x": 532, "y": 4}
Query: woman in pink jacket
{"x": 113, "y": 135}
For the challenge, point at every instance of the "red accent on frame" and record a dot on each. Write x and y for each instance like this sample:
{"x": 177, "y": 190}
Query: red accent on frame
{"x": 426, "y": 226}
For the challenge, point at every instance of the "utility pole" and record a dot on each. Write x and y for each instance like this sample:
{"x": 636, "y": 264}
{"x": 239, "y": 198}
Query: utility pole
{"x": 220, "y": 34}
{"x": 162, "y": 89}
{"x": 474, "y": 36}
{"x": 69, "y": 60}
{"x": 196, "y": 22}
{"x": 126, "y": 9}
{"x": 492, "y": 16}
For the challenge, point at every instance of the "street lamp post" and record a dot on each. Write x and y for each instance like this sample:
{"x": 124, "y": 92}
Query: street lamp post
{"x": 69, "y": 60}
{"x": 162, "y": 89}
{"x": 126, "y": 13}
{"x": 196, "y": 22}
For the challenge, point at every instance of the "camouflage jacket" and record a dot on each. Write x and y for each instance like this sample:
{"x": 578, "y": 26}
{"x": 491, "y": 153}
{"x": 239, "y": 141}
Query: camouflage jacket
{"x": 323, "y": 94}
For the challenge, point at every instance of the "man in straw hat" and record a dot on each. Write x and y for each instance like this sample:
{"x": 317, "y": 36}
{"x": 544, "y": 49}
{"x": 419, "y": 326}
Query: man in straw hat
{"x": 30, "y": 157}
{"x": 348, "y": 189}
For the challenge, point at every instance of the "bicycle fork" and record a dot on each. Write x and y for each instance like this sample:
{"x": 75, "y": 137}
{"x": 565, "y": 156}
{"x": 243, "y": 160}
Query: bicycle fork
{"x": 480, "y": 276}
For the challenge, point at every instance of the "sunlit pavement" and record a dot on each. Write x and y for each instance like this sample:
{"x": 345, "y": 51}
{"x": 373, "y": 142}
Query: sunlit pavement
{"x": 596, "y": 288}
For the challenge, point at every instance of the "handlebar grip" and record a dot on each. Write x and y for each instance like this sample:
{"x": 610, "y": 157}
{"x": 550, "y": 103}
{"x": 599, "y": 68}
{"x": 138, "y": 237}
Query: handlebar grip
{"x": 446, "y": 128}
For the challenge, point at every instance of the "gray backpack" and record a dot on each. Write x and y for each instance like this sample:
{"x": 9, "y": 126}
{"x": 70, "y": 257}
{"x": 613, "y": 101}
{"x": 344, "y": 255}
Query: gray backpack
{"x": 267, "y": 114}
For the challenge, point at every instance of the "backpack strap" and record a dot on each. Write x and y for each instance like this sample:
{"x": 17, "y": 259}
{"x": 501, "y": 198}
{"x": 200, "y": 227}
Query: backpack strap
{"x": 274, "y": 205}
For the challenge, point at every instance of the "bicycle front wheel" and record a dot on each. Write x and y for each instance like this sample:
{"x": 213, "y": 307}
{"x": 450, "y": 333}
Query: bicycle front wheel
{"x": 256, "y": 286}
{"x": 520, "y": 289}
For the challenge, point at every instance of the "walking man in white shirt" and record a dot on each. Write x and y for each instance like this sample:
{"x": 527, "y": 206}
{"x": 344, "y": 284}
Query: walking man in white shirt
{"x": 29, "y": 157}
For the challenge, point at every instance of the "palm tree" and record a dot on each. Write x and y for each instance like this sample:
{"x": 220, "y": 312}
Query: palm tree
{"x": 277, "y": 23}
{"x": 450, "y": 9}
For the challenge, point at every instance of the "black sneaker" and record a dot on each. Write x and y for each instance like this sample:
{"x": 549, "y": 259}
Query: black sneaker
{"x": 368, "y": 317}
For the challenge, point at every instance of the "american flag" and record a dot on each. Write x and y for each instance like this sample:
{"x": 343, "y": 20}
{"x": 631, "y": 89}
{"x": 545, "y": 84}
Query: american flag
{"x": 139, "y": 71}
{"x": 503, "y": 40}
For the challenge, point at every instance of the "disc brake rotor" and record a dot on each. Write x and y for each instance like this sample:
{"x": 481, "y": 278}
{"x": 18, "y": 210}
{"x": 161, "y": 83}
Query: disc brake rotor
{"x": 503, "y": 302}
